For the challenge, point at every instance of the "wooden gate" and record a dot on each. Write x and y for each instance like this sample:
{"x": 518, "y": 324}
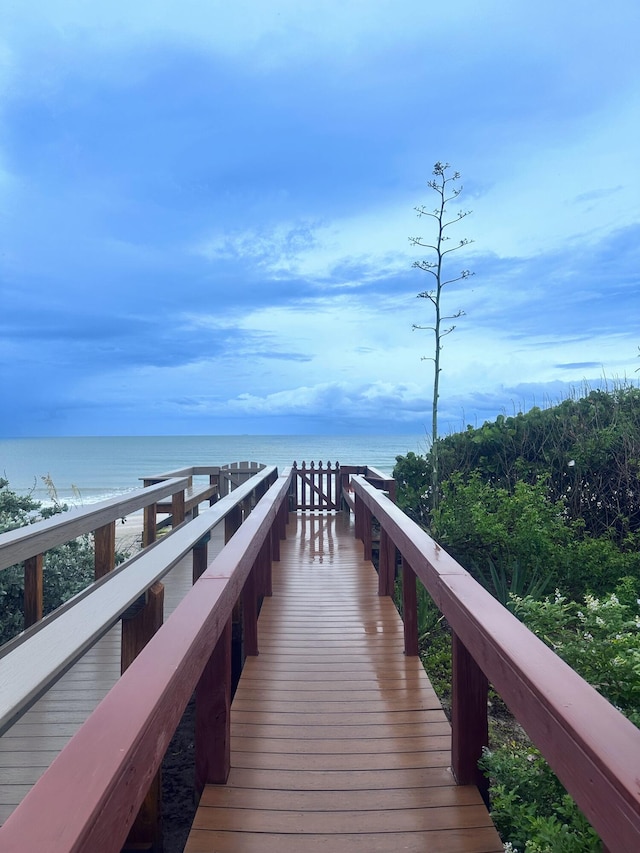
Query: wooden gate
{"x": 235, "y": 474}
{"x": 317, "y": 488}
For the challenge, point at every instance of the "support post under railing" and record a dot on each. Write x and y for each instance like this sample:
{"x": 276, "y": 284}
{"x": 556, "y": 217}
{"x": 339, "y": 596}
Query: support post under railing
{"x": 177, "y": 508}
{"x": 104, "y": 540}
{"x": 409, "y": 609}
{"x": 214, "y": 480}
{"x": 232, "y": 522}
{"x": 138, "y": 627}
{"x": 33, "y": 590}
{"x": 274, "y": 538}
{"x": 273, "y": 554}
{"x": 367, "y": 532}
{"x": 250, "y": 608}
{"x": 200, "y": 556}
{"x": 386, "y": 564}
{"x": 469, "y": 721}
{"x": 149, "y": 531}
{"x": 213, "y": 716}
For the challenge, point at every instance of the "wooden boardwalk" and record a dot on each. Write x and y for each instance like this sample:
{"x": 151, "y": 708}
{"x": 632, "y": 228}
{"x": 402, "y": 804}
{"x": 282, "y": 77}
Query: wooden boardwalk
{"x": 339, "y": 742}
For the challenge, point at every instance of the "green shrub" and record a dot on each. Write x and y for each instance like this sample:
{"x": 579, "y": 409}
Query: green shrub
{"x": 67, "y": 569}
{"x": 480, "y": 524}
{"x": 598, "y": 637}
{"x": 413, "y": 478}
{"x": 530, "y": 808}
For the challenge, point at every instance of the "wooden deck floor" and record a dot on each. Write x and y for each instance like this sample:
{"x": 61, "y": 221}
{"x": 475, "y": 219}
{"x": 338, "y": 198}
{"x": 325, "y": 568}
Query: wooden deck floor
{"x": 30, "y": 746}
{"x": 338, "y": 740}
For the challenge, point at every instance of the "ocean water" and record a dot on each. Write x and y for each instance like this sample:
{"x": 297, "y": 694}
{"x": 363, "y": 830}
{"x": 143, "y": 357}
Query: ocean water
{"x": 85, "y": 470}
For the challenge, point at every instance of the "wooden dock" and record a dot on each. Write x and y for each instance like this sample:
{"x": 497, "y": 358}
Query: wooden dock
{"x": 338, "y": 741}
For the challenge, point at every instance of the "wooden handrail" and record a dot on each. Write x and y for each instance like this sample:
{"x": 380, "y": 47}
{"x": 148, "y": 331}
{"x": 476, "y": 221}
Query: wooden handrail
{"x": 28, "y": 544}
{"x": 18, "y": 545}
{"x": 88, "y": 798}
{"x": 590, "y": 745}
{"x": 32, "y": 662}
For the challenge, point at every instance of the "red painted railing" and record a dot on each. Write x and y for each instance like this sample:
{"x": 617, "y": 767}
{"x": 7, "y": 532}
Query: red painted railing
{"x": 592, "y": 747}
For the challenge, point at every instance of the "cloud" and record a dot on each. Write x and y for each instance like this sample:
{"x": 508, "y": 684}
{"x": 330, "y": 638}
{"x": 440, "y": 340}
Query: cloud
{"x": 206, "y": 207}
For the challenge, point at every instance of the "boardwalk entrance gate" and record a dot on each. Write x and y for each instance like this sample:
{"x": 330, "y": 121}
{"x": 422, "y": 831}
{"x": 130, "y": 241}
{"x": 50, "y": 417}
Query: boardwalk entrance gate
{"x": 315, "y": 488}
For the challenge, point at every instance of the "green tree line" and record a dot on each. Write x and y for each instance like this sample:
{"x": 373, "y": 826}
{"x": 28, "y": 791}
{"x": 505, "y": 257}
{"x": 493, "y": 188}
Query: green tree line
{"x": 543, "y": 508}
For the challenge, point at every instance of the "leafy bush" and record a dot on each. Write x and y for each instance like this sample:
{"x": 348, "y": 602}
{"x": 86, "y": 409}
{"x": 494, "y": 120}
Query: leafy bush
{"x": 599, "y": 638}
{"x": 480, "y": 524}
{"x": 67, "y": 569}
{"x": 530, "y": 807}
{"x": 412, "y": 474}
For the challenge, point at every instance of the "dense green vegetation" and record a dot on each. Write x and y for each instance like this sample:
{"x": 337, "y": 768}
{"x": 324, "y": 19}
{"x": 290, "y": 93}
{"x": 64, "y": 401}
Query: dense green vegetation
{"x": 67, "y": 568}
{"x": 543, "y": 509}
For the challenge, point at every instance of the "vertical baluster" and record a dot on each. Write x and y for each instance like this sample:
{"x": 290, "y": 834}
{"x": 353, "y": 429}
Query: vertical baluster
{"x": 367, "y": 534}
{"x": 409, "y": 609}
{"x": 303, "y": 485}
{"x": 139, "y": 625}
{"x": 293, "y": 505}
{"x": 177, "y": 508}
{"x": 213, "y": 716}
{"x": 469, "y": 723}
{"x": 33, "y": 590}
{"x": 232, "y": 522}
{"x": 104, "y": 541}
{"x": 149, "y": 531}
{"x": 312, "y": 483}
{"x": 386, "y": 564}
{"x": 250, "y": 607}
{"x": 200, "y": 553}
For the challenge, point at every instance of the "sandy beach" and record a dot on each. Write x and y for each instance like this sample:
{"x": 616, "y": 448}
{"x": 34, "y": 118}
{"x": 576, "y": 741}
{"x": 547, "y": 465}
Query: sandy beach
{"x": 129, "y": 533}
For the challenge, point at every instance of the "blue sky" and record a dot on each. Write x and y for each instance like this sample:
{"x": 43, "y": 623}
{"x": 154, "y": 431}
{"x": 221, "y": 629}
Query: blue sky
{"x": 205, "y": 210}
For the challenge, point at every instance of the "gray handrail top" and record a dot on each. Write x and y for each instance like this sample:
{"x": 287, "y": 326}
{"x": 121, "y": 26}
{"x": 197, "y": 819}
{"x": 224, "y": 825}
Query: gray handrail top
{"x": 31, "y": 667}
{"x": 24, "y": 542}
{"x": 202, "y": 470}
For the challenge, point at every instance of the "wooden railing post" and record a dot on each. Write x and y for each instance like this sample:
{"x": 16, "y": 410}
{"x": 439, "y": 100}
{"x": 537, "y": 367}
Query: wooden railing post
{"x": 293, "y": 489}
{"x": 409, "y": 609}
{"x": 367, "y": 536}
{"x": 363, "y": 523}
{"x": 33, "y": 590}
{"x": 247, "y": 506}
{"x": 200, "y": 556}
{"x": 274, "y": 554}
{"x": 149, "y": 531}
{"x": 283, "y": 517}
{"x": 104, "y": 541}
{"x": 214, "y": 480}
{"x": 213, "y": 716}
{"x": 177, "y": 509}
{"x": 386, "y": 564}
{"x": 232, "y": 522}
{"x": 139, "y": 625}
{"x": 250, "y": 609}
{"x": 469, "y": 721}
{"x": 274, "y": 538}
